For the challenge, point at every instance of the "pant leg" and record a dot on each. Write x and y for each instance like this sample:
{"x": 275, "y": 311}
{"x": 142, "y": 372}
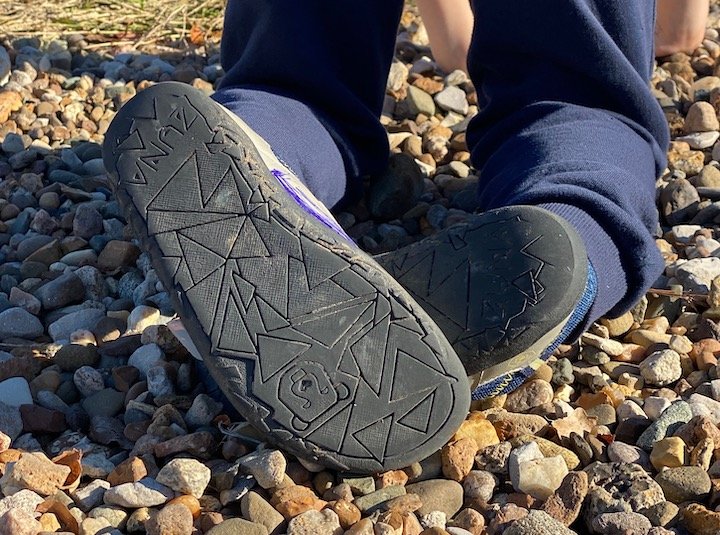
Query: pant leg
{"x": 332, "y": 58}
{"x": 568, "y": 122}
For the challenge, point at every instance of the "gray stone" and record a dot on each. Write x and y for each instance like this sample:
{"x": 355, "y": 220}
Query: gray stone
{"x": 537, "y": 523}
{"x": 202, "y": 411}
{"x": 144, "y": 493}
{"x": 671, "y": 419}
{"x": 237, "y": 526}
{"x": 159, "y": 382}
{"x": 84, "y": 319}
{"x": 71, "y": 357}
{"x": 88, "y": 381}
{"x": 106, "y": 402}
{"x": 452, "y": 98}
{"x": 312, "y": 522}
{"x": 684, "y": 483}
{"x": 256, "y": 509}
{"x": 185, "y": 476}
{"x": 371, "y": 502}
{"x": 17, "y": 322}
{"x": 15, "y": 392}
{"x": 417, "y": 102}
{"x": 620, "y": 522}
{"x": 438, "y": 495}
{"x": 91, "y": 495}
{"x": 87, "y": 222}
{"x": 146, "y": 357}
{"x": 10, "y": 421}
{"x": 65, "y": 290}
{"x": 397, "y": 189}
{"x": 619, "y": 452}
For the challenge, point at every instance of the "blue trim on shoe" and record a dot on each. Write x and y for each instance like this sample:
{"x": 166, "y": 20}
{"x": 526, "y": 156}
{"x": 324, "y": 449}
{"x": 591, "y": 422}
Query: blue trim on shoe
{"x": 510, "y": 381}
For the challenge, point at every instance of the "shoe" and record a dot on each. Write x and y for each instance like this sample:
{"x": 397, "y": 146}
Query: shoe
{"x": 506, "y": 288}
{"x": 306, "y": 335}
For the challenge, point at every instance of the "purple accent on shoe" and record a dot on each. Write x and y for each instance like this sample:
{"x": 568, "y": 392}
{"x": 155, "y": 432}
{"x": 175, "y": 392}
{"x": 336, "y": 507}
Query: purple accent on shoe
{"x": 308, "y": 204}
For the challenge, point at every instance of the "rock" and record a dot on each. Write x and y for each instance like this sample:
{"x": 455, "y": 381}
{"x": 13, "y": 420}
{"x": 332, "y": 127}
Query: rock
{"x": 141, "y": 317}
{"x": 84, "y": 319}
{"x": 65, "y": 290}
{"x": 537, "y": 523}
{"x": 696, "y": 275}
{"x": 237, "y": 526}
{"x": 565, "y": 503}
{"x": 295, "y": 499}
{"x": 17, "y": 322}
{"x": 494, "y": 458}
{"x": 15, "y": 392}
{"x": 145, "y": 493}
{"x": 88, "y": 381}
{"x": 371, "y": 502}
{"x": 452, "y": 98}
{"x": 256, "y": 509}
{"x": 458, "y": 458}
{"x": 146, "y": 357}
{"x": 684, "y": 483}
{"x": 11, "y": 422}
{"x": 526, "y": 452}
{"x": 118, "y": 254}
{"x": 612, "y": 523}
{"x": 668, "y": 453}
{"x": 159, "y": 382}
{"x": 202, "y": 411}
{"x": 701, "y": 521}
{"x": 185, "y": 476}
{"x": 480, "y": 485}
{"x": 34, "y": 471}
{"x": 71, "y": 357}
{"x": 438, "y": 495}
{"x": 549, "y": 449}
{"x": 540, "y": 478}
{"x": 619, "y": 487}
{"x": 529, "y": 395}
{"x": 87, "y": 222}
{"x": 24, "y": 500}
{"x": 701, "y": 117}
{"x": 129, "y": 471}
{"x": 106, "y": 402}
{"x": 669, "y": 421}
{"x": 19, "y": 522}
{"x": 25, "y": 300}
{"x": 418, "y": 102}
{"x": 478, "y": 428}
{"x": 38, "y": 419}
{"x": 620, "y": 452}
{"x": 348, "y": 514}
{"x": 266, "y": 466}
{"x": 312, "y": 522}
{"x": 173, "y": 519}
{"x": 661, "y": 368}
{"x": 91, "y": 495}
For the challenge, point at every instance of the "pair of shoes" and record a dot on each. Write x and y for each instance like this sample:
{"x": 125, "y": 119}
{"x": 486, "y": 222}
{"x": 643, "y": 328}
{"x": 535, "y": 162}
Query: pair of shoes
{"x": 313, "y": 342}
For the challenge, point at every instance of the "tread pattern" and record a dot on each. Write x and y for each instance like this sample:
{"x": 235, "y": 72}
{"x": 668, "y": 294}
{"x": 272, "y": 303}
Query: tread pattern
{"x": 495, "y": 284}
{"x": 310, "y": 342}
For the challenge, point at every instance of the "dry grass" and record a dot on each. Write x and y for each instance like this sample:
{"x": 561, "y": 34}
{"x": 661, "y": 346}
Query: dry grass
{"x": 113, "y": 22}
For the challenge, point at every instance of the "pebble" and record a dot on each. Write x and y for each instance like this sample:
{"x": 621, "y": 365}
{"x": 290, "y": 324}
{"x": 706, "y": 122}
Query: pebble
{"x": 661, "y": 368}
{"x": 537, "y": 523}
{"x": 266, "y": 466}
{"x": 437, "y": 495}
{"x": 185, "y": 476}
{"x": 684, "y": 483}
{"x": 144, "y": 493}
{"x": 236, "y": 526}
{"x": 671, "y": 419}
{"x": 256, "y": 509}
{"x": 668, "y": 452}
{"x": 173, "y": 519}
{"x": 17, "y": 322}
{"x": 540, "y": 478}
{"x": 612, "y": 523}
{"x": 529, "y": 395}
{"x": 15, "y": 392}
{"x": 312, "y": 522}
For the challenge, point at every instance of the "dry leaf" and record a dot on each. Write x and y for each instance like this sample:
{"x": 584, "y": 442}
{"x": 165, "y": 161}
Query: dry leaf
{"x": 577, "y": 422}
{"x": 71, "y": 459}
{"x": 63, "y": 514}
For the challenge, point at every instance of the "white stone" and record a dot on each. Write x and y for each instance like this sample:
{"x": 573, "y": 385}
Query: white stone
{"x": 704, "y": 406}
{"x": 700, "y": 140}
{"x": 654, "y": 406}
{"x": 697, "y": 274}
{"x": 142, "y": 316}
{"x": 186, "y": 476}
{"x": 145, "y": 357}
{"x": 266, "y": 466}
{"x": 685, "y": 233}
{"x": 661, "y": 368}
{"x": 540, "y": 478}
{"x": 526, "y": 452}
{"x": 144, "y": 493}
{"x": 628, "y": 409}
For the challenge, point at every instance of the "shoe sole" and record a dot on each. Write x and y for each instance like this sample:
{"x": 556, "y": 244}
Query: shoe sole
{"x": 306, "y": 335}
{"x": 500, "y": 286}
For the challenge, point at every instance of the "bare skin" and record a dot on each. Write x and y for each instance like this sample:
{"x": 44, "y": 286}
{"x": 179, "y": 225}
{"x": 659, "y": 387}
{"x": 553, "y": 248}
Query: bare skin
{"x": 679, "y": 27}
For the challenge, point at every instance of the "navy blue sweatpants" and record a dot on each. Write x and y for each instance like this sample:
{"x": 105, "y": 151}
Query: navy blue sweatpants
{"x": 567, "y": 120}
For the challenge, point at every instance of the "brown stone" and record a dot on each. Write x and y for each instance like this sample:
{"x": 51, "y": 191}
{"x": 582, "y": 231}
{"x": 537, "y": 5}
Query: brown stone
{"x": 347, "y": 512}
{"x": 529, "y": 395}
{"x": 294, "y": 500}
{"x": 189, "y": 501}
{"x": 19, "y": 521}
{"x": 10, "y": 101}
{"x": 408, "y": 503}
{"x": 470, "y": 520}
{"x": 173, "y": 519}
{"x": 199, "y": 444}
{"x": 701, "y": 521}
{"x": 36, "y": 472}
{"x": 458, "y": 458}
{"x": 391, "y": 478}
{"x": 477, "y": 427}
{"x": 129, "y": 471}
{"x": 564, "y": 505}
{"x": 37, "y": 419}
{"x": 117, "y": 254}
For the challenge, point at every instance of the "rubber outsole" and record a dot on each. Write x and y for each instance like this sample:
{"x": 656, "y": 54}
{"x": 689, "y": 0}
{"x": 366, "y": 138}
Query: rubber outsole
{"x": 312, "y": 342}
{"x": 497, "y": 284}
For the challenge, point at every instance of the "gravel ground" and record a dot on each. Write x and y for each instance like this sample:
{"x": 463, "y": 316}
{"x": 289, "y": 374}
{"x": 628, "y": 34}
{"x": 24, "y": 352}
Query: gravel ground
{"x": 105, "y": 430}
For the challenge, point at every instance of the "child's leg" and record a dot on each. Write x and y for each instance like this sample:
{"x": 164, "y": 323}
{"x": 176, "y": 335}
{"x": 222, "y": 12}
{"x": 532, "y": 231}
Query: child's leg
{"x": 568, "y": 123}
{"x": 680, "y": 25}
{"x": 297, "y": 69}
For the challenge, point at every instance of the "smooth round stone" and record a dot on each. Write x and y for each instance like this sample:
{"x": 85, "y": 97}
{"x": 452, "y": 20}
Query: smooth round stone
{"x": 684, "y": 483}
{"x": 17, "y": 322}
{"x": 88, "y": 381}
